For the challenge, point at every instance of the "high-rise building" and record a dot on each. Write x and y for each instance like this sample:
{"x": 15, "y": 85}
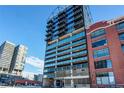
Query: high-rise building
{"x": 66, "y": 57}
{"x": 18, "y": 61}
{"x": 105, "y": 41}
{"x": 12, "y": 58}
{"x": 6, "y": 54}
{"x": 38, "y": 77}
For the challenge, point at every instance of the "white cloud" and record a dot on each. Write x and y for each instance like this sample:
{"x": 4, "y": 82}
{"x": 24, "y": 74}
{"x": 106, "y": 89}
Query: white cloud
{"x": 36, "y": 62}
{"x": 29, "y": 73}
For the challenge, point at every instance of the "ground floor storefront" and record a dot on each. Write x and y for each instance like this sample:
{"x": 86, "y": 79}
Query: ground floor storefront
{"x": 68, "y": 82}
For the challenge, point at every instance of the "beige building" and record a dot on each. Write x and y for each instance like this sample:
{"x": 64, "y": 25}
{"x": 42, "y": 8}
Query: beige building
{"x": 6, "y": 54}
{"x": 18, "y": 60}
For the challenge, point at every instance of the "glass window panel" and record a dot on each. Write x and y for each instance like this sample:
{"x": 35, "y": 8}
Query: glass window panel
{"x": 97, "y": 33}
{"x": 105, "y": 80}
{"x": 103, "y": 64}
{"x": 111, "y": 74}
{"x": 98, "y": 80}
{"x": 99, "y": 43}
{"x": 111, "y": 80}
{"x": 109, "y": 63}
{"x": 101, "y": 53}
{"x": 120, "y": 26}
{"x": 121, "y": 36}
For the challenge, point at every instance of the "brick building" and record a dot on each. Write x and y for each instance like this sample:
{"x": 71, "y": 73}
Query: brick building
{"x": 105, "y": 41}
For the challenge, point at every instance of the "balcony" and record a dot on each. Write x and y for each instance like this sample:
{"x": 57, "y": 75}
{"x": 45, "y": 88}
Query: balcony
{"x": 79, "y": 47}
{"x": 48, "y": 34}
{"x": 61, "y": 22}
{"x": 64, "y": 73}
{"x": 77, "y": 10}
{"x": 62, "y": 17}
{"x": 50, "y": 65}
{"x": 64, "y": 47}
{"x": 63, "y": 57}
{"x": 49, "y": 22}
{"x": 63, "y": 68}
{"x": 61, "y": 26}
{"x": 50, "y": 47}
{"x": 80, "y": 53}
{"x": 52, "y": 59}
{"x": 48, "y": 70}
{"x": 78, "y": 16}
{"x": 50, "y": 76}
{"x": 79, "y": 59}
{"x": 78, "y": 42}
{"x": 50, "y": 56}
{"x": 63, "y": 52}
{"x": 80, "y": 72}
{"x": 76, "y": 7}
{"x": 50, "y": 52}
{"x": 48, "y": 39}
{"x": 64, "y": 62}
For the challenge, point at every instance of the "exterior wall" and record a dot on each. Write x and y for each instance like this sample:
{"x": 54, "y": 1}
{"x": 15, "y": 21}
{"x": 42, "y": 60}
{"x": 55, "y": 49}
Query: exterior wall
{"x": 114, "y": 45}
{"x": 116, "y": 54}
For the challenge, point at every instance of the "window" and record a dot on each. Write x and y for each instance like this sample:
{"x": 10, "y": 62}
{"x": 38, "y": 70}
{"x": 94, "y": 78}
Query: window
{"x": 97, "y": 33}
{"x": 84, "y": 65}
{"x": 122, "y": 47}
{"x": 120, "y": 26}
{"x": 103, "y": 64}
{"x": 121, "y": 36}
{"x": 105, "y": 78}
{"x": 99, "y": 43}
{"x": 101, "y": 52}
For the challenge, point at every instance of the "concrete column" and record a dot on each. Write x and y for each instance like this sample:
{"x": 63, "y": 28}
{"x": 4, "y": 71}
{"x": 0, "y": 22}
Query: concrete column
{"x": 72, "y": 83}
{"x": 1, "y": 70}
{"x": 55, "y": 83}
{"x": 64, "y": 83}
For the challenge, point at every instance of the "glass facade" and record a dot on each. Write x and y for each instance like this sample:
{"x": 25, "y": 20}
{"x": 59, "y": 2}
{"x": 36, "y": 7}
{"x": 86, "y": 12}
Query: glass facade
{"x": 103, "y": 64}
{"x": 60, "y": 51}
{"x": 101, "y": 53}
{"x": 101, "y": 42}
{"x": 120, "y": 26}
{"x": 105, "y": 78}
{"x": 65, "y": 51}
{"x": 98, "y": 33}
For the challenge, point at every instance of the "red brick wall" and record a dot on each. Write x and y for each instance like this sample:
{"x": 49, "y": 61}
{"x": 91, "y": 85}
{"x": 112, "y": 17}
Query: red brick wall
{"x": 116, "y": 53}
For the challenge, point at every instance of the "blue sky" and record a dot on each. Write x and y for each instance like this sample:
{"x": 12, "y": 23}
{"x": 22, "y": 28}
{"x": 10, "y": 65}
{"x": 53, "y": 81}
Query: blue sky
{"x": 26, "y": 25}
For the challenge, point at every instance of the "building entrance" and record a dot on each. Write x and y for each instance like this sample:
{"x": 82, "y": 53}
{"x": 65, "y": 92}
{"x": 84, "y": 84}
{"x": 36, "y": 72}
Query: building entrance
{"x": 59, "y": 83}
